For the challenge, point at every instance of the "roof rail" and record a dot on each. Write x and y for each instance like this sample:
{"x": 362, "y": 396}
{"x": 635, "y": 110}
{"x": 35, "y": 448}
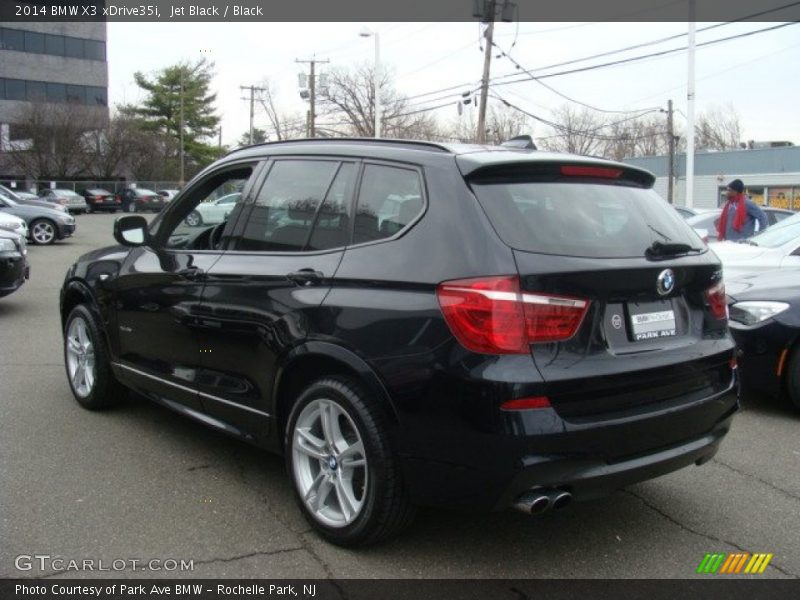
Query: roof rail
{"x": 333, "y": 140}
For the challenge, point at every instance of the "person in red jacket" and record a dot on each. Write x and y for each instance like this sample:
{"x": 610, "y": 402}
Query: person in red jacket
{"x": 739, "y": 215}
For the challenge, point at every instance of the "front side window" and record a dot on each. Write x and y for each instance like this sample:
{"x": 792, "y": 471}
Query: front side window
{"x": 388, "y": 200}
{"x": 297, "y": 196}
{"x": 200, "y": 221}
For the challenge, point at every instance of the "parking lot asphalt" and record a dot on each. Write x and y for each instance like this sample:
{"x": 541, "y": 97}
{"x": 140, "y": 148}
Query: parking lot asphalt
{"x": 139, "y": 482}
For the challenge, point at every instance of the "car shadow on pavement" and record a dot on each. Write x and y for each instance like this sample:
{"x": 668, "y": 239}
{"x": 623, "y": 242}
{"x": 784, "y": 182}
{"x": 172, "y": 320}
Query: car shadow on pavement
{"x": 759, "y": 402}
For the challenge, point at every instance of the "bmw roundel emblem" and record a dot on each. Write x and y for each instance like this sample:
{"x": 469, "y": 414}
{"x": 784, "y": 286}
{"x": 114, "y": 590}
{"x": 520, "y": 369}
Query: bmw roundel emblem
{"x": 665, "y": 282}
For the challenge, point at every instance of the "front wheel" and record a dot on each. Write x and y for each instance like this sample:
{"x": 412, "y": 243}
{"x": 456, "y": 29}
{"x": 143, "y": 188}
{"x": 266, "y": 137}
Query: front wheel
{"x": 87, "y": 362}
{"x": 347, "y": 480}
{"x": 43, "y": 232}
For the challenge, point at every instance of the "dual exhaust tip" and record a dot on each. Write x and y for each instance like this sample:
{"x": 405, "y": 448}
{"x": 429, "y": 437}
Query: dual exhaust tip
{"x": 538, "y": 501}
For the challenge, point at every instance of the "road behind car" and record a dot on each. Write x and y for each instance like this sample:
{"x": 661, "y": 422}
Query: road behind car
{"x": 143, "y": 482}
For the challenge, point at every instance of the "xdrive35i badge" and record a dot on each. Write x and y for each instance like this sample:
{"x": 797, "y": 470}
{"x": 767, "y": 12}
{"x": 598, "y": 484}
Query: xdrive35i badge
{"x": 665, "y": 282}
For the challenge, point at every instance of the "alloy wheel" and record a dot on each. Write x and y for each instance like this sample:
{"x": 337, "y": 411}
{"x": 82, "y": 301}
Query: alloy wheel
{"x": 43, "y": 232}
{"x": 80, "y": 357}
{"x": 329, "y": 463}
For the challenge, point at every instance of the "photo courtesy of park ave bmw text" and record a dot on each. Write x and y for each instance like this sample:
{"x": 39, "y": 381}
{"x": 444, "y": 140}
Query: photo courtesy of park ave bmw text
{"x": 370, "y": 299}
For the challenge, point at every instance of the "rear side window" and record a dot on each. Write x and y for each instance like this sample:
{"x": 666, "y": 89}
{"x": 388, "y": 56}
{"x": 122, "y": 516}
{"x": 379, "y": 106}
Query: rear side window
{"x": 389, "y": 199}
{"x": 581, "y": 218}
{"x": 288, "y": 206}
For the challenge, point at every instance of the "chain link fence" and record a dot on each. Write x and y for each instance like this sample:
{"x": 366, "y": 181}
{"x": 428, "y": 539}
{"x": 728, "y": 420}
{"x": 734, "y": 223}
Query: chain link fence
{"x": 115, "y": 187}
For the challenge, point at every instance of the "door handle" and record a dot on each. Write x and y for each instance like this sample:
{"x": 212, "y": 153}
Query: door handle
{"x": 192, "y": 273}
{"x": 306, "y": 277}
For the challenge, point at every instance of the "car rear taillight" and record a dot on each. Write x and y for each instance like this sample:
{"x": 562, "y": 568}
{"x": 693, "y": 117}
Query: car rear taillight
{"x": 582, "y": 171}
{"x": 98, "y": 198}
{"x": 715, "y": 296}
{"x": 62, "y": 200}
{"x": 491, "y": 315}
{"x": 533, "y": 402}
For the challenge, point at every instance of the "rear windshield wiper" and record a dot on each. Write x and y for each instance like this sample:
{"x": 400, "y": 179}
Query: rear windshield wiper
{"x": 670, "y": 249}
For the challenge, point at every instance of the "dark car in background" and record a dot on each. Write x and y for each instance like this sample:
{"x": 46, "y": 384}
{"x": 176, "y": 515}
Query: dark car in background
{"x": 412, "y": 323}
{"x": 45, "y": 224}
{"x": 765, "y": 321}
{"x": 14, "y": 269}
{"x": 98, "y": 199}
{"x": 73, "y": 202}
{"x": 141, "y": 200}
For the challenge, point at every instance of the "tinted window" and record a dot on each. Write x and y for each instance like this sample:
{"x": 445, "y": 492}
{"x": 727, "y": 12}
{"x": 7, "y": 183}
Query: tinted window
{"x": 96, "y": 95}
{"x": 15, "y": 89}
{"x": 389, "y": 199}
{"x": 34, "y": 42}
{"x": 332, "y": 226}
{"x": 581, "y": 219}
{"x": 76, "y": 93}
{"x": 73, "y": 47}
{"x": 95, "y": 50}
{"x": 37, "y": 90}
{"x": 287, "y": 205}
{"x": 12, "y": 39}
{"x": 54, "y": 44}
{"x": 56, "y": 92}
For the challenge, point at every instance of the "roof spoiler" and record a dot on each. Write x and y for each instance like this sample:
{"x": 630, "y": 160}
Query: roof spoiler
{"x": 524, "y": 142}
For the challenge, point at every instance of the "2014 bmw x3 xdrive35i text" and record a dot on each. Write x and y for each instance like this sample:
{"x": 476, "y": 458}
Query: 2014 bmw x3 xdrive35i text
{"x": 412, "y": 324}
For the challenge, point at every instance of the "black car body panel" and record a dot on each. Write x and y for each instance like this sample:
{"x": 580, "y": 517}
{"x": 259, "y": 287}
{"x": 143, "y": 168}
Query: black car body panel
{"x": 763, "y": 347}
{"x": 230, "y": 339}
{"x": 14, "y": 269}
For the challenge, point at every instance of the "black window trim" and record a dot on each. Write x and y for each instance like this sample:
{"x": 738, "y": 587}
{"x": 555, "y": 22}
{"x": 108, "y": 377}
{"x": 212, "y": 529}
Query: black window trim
{"x": 350, "y": 203}
{"x": 420, "y": 171}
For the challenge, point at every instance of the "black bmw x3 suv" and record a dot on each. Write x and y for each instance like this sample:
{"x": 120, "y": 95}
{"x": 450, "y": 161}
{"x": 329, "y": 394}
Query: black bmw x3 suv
{"x": 413, "y": 324}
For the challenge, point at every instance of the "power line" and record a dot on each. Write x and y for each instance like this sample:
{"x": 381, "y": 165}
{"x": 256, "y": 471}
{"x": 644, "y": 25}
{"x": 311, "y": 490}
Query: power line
{"x": 644, "y": 56}
{"x": 555, "y": 91}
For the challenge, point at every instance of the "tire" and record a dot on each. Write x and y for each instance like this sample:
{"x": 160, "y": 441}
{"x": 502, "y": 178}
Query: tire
{"x": 85, "y": 345}
{"x": 90, "y": 210}
{"x": 194, "y": 219}
{"x": 132, "y": 207}
{"x": 793, "y": 377}
{"x": 365, "y": 500}
{"x": 43, "y": 232}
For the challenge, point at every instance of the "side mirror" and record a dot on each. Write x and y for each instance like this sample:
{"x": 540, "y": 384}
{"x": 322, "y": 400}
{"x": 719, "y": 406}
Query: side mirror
{"x": 131, "y": 230}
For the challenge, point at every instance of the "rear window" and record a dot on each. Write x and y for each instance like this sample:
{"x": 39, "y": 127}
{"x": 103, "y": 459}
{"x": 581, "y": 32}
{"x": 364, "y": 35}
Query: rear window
{"x": 581, "y": 218}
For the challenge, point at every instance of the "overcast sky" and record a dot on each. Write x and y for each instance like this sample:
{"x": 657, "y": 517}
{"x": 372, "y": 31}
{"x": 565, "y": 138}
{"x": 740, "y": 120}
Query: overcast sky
{"x": 757, "y": 75}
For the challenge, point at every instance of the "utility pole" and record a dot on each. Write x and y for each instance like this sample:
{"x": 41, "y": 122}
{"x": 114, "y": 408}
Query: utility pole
{"x": 183, "y": 180}
{"x": 671, "y": 143}
{"x": 312, "y": 90}
{"x": 253, "y": 89}
{"x": 487, "y": 61}
{"x": 690, "y": 99}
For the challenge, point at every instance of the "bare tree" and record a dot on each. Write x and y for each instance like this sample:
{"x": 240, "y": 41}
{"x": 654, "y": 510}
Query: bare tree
{"x": 576, "y": 132}
{"x": 283, "y": 125}
{"x": 506, "y": 122}
{"x": 718, "y": 128}
{"x": 350, "y": 104}
{"x": 53, "y": 139}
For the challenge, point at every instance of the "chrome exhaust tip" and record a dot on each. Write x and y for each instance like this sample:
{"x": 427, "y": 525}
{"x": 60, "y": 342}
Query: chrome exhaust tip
{"x": 533, "y": 502}
{"x": 561, "y": 499}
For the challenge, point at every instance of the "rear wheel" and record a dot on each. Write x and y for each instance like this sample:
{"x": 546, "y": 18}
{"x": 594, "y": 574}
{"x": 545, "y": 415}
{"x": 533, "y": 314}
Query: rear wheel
{"x": 793, "y": 377}
{"x": 88, "y": 363}
{"x": 346, "y": 478}
{"x": 43, "y": 232}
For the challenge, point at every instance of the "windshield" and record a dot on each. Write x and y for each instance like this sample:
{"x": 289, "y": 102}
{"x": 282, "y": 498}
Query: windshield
{"x": 779, "y": 234}
{"x": 9, "y": 202}
{"x": 582, "y": 219}
{"x": 7, "y": 193}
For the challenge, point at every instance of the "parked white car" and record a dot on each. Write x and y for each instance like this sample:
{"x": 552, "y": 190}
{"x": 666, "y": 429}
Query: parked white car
{"x": 212, "y": 212}
{"x": 774, "y": 248}
{"x": 14, "y": 224}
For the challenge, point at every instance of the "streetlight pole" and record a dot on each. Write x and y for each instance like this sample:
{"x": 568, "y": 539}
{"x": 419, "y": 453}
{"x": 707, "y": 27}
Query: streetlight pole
{"x": 376, "y": 81}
